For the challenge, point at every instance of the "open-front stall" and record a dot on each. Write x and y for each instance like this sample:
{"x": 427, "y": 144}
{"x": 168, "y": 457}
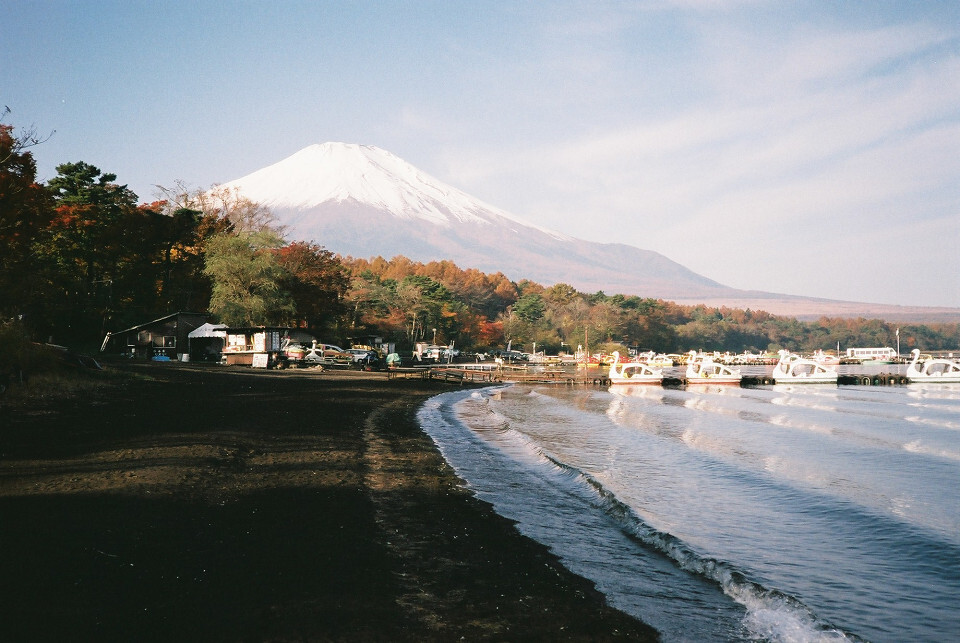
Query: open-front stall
{"x": 258, "y": 347}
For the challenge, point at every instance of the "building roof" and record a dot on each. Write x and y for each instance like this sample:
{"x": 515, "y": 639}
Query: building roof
{"x": 208, "y": 330}
{"x": 157, "y": 321}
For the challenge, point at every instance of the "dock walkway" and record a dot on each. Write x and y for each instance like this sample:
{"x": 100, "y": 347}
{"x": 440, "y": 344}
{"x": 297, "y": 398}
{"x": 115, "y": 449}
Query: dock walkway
{"x": 473, "y": 374}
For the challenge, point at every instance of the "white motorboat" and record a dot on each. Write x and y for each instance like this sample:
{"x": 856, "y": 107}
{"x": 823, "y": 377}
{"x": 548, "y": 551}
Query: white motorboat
{"x": 701, "y": 369}
{"x": 633, "y": 372}
{"x": 794, "y": 369}
{"x": 935, "y": 370}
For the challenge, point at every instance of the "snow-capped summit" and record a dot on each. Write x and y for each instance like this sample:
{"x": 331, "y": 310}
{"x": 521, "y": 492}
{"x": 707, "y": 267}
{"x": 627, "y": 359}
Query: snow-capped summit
{"x": 366, "y": 175}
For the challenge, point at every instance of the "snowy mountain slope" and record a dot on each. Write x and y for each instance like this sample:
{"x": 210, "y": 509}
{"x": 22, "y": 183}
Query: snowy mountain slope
{"x": 363, "y": 201}
{"x": 344, "y": 172}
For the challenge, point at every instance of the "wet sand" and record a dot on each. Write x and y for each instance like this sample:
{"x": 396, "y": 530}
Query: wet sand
{"x": 192, "y": 502}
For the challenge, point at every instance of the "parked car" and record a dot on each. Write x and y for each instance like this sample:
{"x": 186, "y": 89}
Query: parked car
{"x": 363, "y": 356}
{"x": 327, "y": 354}
{"x": 329, "y": 350}
{"x": 436, "y": 353}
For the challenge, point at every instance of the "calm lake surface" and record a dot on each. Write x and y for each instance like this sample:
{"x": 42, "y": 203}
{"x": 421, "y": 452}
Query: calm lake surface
{"x": 776, "y": 513}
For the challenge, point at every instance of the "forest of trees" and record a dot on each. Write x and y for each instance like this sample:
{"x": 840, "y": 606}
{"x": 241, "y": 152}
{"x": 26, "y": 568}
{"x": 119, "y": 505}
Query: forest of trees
{"x": 81, "y": 256}
{"x": 408, "y": 299}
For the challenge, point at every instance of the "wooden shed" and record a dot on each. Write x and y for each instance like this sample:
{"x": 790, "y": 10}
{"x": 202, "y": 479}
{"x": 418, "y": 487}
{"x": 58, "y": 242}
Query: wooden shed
{"x": 164, "y": 338}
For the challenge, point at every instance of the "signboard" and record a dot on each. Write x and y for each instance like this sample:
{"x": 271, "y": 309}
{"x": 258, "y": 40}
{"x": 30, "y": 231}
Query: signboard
{"x": 260, "y": 360}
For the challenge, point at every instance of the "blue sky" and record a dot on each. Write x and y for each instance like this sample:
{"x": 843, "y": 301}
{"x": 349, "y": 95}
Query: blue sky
{"x": 807, "y": 148}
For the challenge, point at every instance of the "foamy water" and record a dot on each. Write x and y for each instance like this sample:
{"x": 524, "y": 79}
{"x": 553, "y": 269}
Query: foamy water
{"x": 725, "y": 513}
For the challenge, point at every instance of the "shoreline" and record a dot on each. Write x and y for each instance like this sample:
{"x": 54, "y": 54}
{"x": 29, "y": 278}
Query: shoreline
{"x": 219, "y": 503}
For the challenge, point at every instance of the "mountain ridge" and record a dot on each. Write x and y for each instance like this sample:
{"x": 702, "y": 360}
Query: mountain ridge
{"x": 363, "y": 201}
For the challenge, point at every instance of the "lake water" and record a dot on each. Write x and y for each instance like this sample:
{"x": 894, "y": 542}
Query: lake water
{"x": 817, "y": 513}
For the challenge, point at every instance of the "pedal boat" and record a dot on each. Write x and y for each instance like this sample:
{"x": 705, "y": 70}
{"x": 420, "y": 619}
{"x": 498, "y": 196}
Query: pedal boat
{"x": 703, "y": 370}
{"x": 633, "y": 372}
{"x": 934, "y": 371}
{"x": 793, "y": 369}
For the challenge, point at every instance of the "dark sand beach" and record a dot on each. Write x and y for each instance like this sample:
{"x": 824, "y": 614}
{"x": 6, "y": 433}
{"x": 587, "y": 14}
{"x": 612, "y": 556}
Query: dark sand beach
{"x": 190, "y": 502}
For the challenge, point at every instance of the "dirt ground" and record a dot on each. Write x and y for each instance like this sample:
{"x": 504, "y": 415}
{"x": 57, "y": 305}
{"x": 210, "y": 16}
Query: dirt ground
{"x": 207, "y": 503}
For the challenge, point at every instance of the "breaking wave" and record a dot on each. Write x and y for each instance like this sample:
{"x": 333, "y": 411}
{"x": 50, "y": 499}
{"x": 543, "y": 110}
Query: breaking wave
{"x": 770, "y": 615}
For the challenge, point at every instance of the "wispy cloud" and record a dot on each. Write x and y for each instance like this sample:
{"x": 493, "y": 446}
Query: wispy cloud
{"x": 799, "y": 135}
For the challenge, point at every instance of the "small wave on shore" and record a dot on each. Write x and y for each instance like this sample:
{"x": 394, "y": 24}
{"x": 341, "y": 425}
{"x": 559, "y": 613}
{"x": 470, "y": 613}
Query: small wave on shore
{"x": 649, "y": 574}
{"x": 710, "y": 518}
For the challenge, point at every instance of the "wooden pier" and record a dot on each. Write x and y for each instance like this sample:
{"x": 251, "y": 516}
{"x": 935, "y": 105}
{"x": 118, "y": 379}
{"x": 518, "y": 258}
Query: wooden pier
{"x": 459, "y": 375}
{"x": 470, "y": 374}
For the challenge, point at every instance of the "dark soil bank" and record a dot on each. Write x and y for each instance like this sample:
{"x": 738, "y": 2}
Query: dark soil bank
{"x": 209, "y": 503}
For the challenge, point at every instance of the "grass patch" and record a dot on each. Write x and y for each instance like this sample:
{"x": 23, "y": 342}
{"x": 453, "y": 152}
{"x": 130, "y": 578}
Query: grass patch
{"x": 31, "y": 372}
{"x": 59, "y": 384}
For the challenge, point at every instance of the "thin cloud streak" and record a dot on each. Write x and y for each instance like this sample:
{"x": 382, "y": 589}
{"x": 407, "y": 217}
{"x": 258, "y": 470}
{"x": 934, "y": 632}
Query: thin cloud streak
{"x": 835, "y": 132}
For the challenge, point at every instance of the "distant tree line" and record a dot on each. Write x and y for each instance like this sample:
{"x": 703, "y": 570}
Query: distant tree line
{"x": 408, "y": 299}
{"x": 80, "y": 256}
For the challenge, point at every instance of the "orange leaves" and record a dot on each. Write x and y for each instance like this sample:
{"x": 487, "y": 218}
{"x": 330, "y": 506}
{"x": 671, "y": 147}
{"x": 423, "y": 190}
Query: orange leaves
{"x": 70, "y": 216}
{"x": 154, "y": 206}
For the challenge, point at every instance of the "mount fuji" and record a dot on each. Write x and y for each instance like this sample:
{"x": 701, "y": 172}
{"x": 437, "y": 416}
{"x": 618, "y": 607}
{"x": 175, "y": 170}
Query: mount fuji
{"x": 362, "y": 201}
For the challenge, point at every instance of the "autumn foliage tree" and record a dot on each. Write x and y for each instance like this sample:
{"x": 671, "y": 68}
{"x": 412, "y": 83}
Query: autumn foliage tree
{"x": 25, "y": 209}
{"x": 317, "y": 284}
{"x": 79, "y": 256}
{"x": 82, "y": 248}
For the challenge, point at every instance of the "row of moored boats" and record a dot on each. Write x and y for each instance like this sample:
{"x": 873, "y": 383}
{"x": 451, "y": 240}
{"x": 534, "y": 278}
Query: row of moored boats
{"x": 790, "y": 369}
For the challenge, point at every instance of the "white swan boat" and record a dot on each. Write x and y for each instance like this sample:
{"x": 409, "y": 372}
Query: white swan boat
{"x": 633, "y": 372}
{"x": 935, "y": 371}
{"x": 825, "y": 358}
{"x": 793, "y": 369}
{"x": 701, "y": 369}
{"x": 655, "y": 359}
